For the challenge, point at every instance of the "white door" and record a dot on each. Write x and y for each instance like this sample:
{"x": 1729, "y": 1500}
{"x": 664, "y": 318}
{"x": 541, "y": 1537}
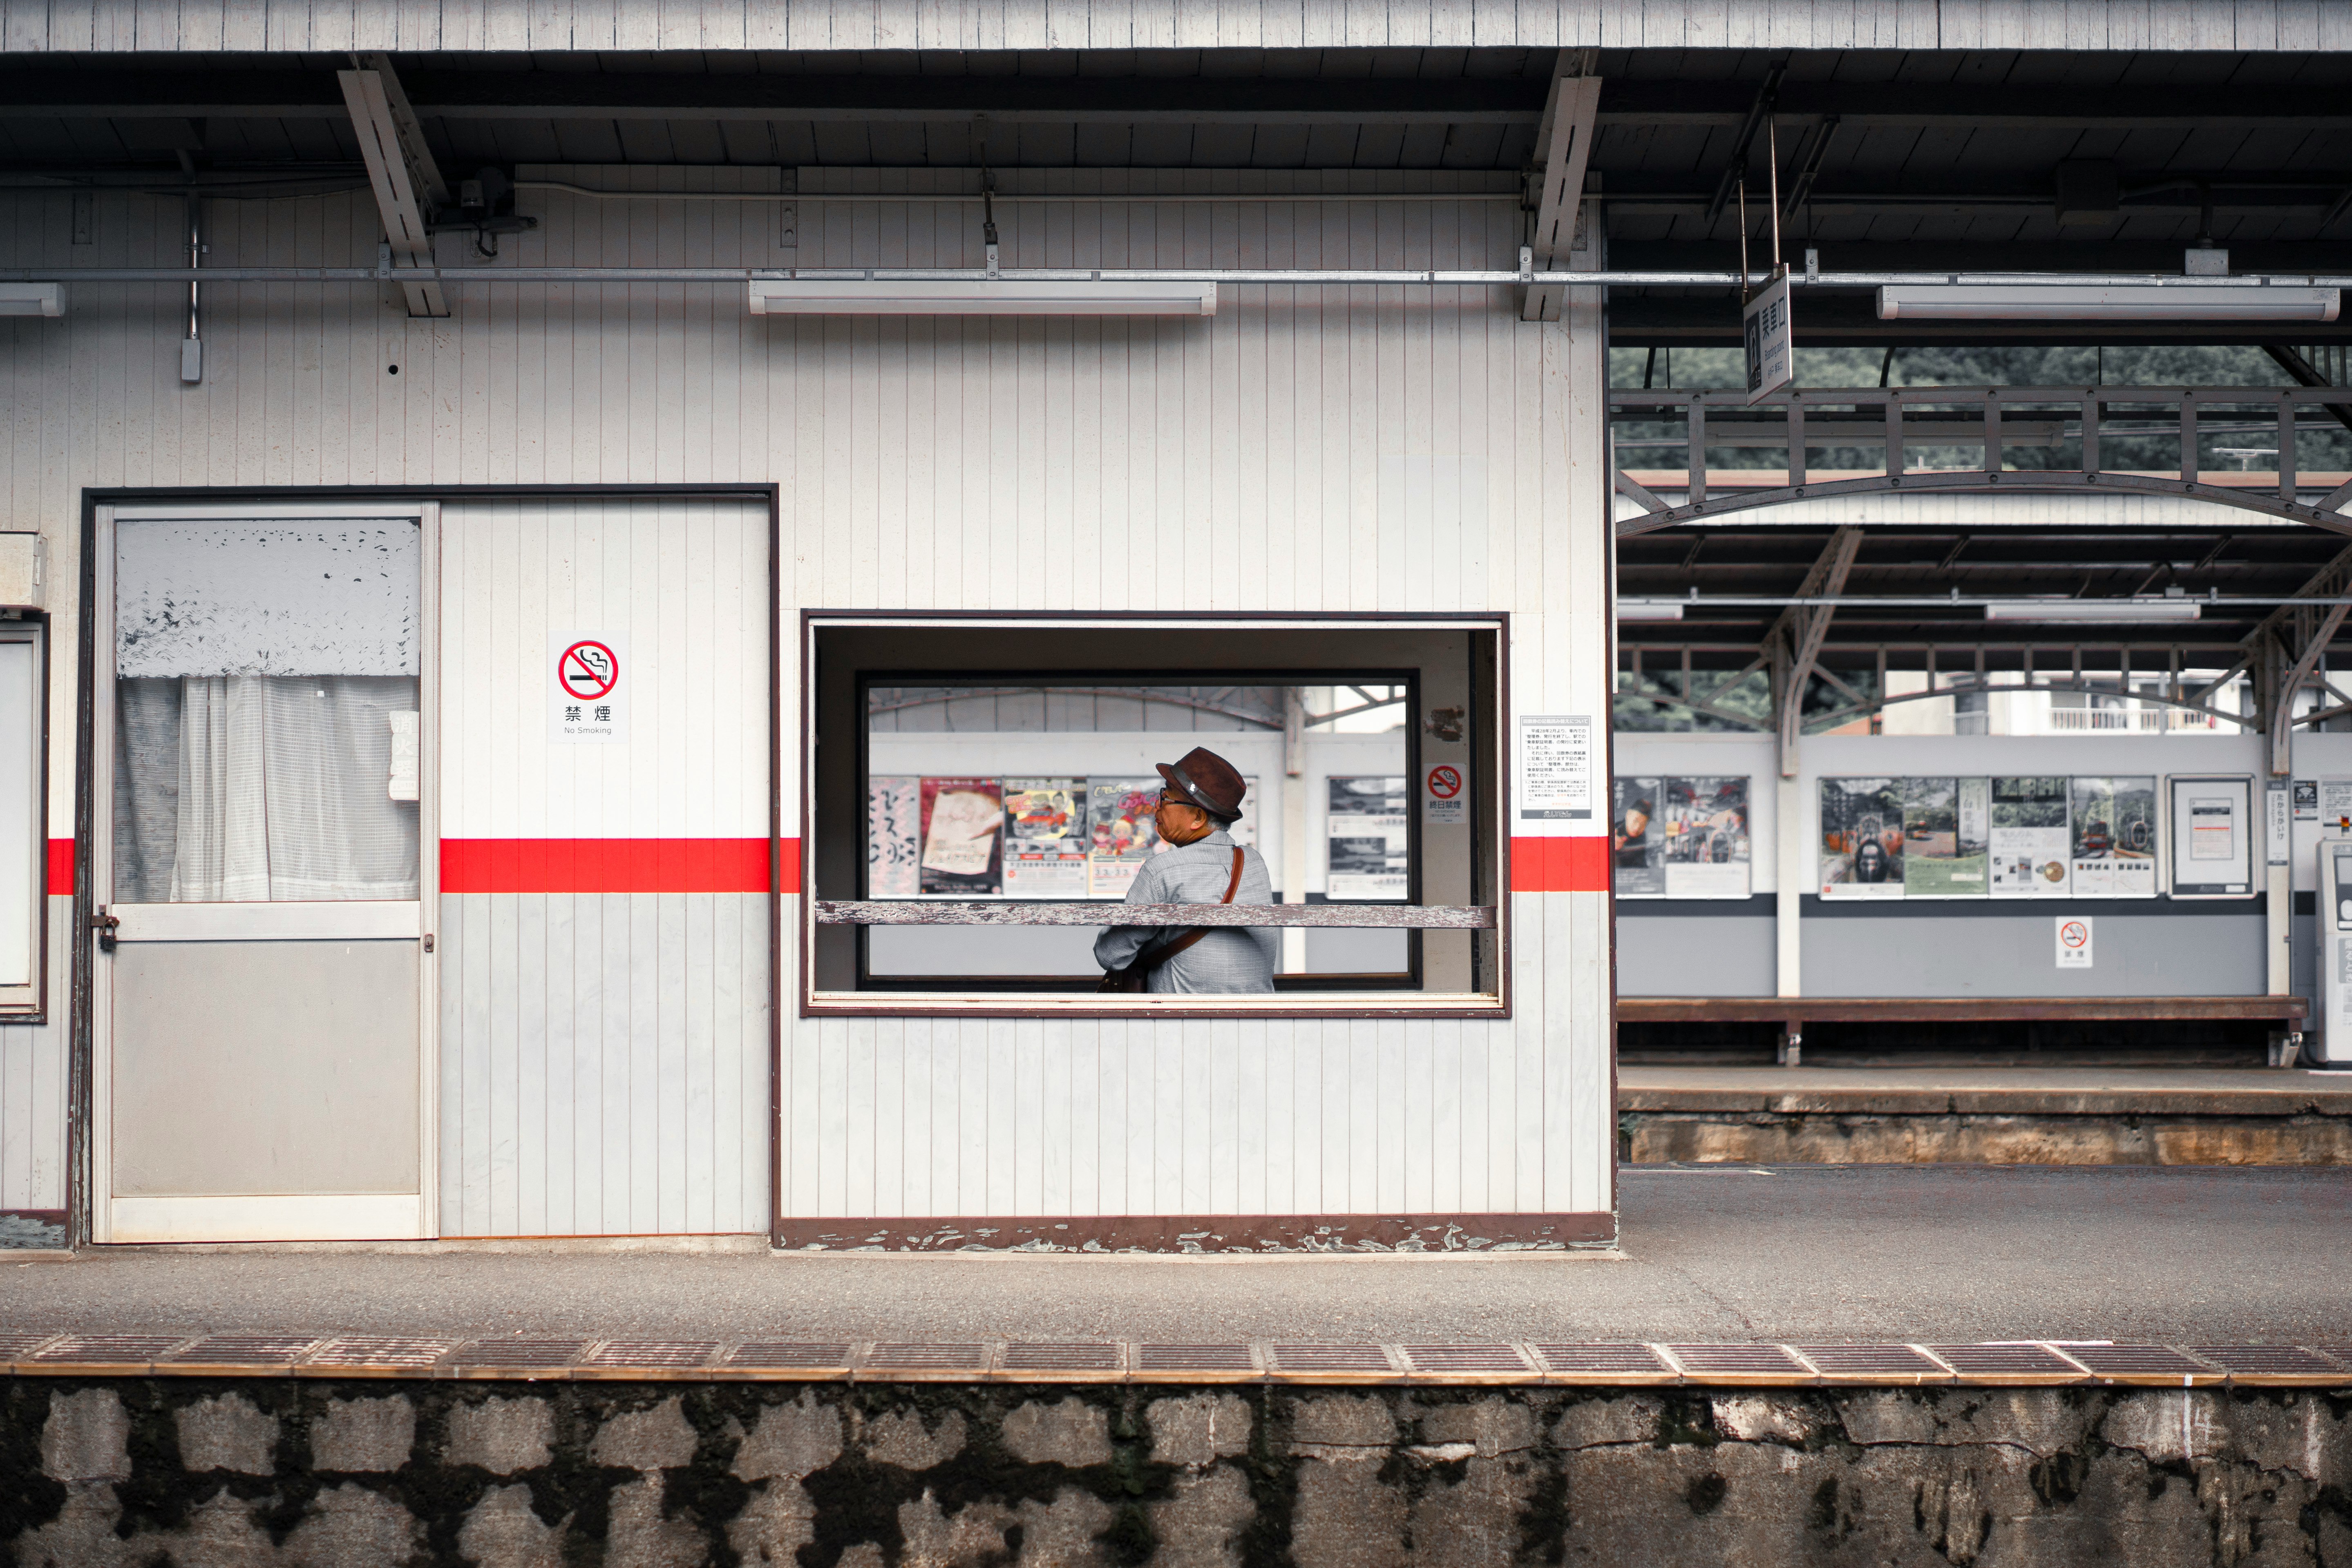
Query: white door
{"x": 264, "y": 860}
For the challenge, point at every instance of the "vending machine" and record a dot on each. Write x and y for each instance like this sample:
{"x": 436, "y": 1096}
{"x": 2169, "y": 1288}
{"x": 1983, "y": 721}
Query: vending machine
{"x": 2335, "y": 956}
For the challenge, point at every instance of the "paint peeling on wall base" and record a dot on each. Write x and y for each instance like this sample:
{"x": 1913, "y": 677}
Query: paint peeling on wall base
{"x": 1245, "y": 1233}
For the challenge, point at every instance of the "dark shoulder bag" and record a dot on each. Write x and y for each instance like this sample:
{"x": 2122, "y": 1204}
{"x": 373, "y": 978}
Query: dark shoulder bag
{"x": 1134, "y": 975}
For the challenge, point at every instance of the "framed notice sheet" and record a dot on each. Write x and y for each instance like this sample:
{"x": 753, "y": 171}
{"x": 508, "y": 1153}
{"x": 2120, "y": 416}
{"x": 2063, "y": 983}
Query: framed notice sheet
{"x": 2210, "y": 848}
{"x": 2026, "y": 837}
{"x": 1365, "y": 838}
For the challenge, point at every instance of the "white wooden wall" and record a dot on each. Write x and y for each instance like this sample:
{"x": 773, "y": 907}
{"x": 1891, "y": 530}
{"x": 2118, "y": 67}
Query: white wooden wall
{"x": 33, "y": 1059}
{"x": 936, "y": 463}
{"x": 604, "y": 1054}
{"x": 729, "y": 25}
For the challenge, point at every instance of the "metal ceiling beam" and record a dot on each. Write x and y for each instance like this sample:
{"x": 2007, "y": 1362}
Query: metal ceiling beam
{"x": 1565, "y": 144}
{"x": 606, "y": 95}
{"x": 2050, "y": 105}
{"x": 1795, "y": 639}
{"x": 399, "y": 185}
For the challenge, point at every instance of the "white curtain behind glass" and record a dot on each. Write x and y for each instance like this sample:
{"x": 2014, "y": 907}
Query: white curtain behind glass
{"x": 236, "y": 779}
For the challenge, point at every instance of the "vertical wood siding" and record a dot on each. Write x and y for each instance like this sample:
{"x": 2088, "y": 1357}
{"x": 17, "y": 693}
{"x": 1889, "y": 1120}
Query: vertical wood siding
{"x": 1315, "y": 448}
{"x": 604, "y": 1056}
{"x": 115, "y": 25}
{"x": 33, "y": 1085}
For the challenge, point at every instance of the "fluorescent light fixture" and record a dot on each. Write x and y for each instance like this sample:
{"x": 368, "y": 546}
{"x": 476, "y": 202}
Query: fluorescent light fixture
{"x": 2093, "y": 612}
{"x": 32, "y": 299}
{"x": 2060, "y": 302}
{"x": 1649, "y": 609}
{"x": 978, "y": 297}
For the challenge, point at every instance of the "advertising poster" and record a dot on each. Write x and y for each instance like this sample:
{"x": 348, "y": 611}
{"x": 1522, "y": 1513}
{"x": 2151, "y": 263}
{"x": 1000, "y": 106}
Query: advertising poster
{"x": 1364, "y": 837}
{"x": 1862, "y": 838}
{"x": 1119, "y": 833}
{"x": 1045, "y": 838}
{"x": 1707, "y": 845}
{"x": 2030, "y": 845}
{"x": 962, "y": 841}
{"x": 1944, "y": 839}
{"x": 1636, "y": 837}
{"x": 2114, "y": 838}
{"x": 893, "y": 825}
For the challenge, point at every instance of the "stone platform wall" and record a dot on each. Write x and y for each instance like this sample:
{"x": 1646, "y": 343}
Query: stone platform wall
{"x": 286, "y": 1471}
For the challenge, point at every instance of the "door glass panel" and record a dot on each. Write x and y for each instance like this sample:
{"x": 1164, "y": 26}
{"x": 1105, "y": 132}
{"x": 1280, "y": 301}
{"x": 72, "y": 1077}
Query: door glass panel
{"x": 266, "y": 702}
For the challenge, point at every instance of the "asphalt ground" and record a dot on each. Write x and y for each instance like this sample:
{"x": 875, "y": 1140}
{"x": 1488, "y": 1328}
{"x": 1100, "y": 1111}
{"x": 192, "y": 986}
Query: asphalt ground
{"x": 1797, "y": 1253}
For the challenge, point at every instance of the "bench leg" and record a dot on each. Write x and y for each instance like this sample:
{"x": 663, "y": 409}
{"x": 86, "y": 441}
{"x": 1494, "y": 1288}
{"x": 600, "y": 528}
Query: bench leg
{"x": 2286, "y": 1046}
{"x": 1791, "y": 1051}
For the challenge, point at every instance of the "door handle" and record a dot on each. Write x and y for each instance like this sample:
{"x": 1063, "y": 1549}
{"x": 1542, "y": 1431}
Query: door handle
{"x": 105, "y": 925}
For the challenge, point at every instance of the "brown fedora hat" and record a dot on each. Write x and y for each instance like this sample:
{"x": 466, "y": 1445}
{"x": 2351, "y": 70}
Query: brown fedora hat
{"x": 1208, "y": 781}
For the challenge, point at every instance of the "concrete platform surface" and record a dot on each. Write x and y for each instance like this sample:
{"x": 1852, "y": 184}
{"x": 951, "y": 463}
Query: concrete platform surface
{"x": 1712, "y": 1254}
{"x": 1997, "y": 1090}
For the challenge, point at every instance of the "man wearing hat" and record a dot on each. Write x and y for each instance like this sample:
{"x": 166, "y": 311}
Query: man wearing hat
{"x": 1202, "y": 797}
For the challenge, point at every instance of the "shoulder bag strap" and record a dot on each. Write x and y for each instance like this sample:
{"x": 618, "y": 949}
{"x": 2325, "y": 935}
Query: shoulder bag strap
{"x": 1159, "y": 956}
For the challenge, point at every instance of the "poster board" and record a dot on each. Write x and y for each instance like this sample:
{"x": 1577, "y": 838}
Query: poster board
{"x": 1944, "y": 837}
{"x": 1862, "y": 838}
{"x": 2112, "y": 849}
{"x": 1046, "y": 837}
{"x": 2028, "y": 839}
{"x": 1637, "y": 838}
{"x": 2212, "y": 834}
{"x": 1707, "y": 849}
{"x": 1365, "y": 833}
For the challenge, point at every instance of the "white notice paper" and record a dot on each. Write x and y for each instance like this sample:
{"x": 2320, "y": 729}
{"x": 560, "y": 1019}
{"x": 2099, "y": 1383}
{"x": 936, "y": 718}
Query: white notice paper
{"x": 1556, "y": 766}
{"x": 589, "y": 681}
{"x": 2074, "y": 942}
{"x": 403, "y": 783}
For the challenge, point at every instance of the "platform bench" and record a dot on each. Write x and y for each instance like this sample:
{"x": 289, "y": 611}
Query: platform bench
{"x": 1793, "y": 1013}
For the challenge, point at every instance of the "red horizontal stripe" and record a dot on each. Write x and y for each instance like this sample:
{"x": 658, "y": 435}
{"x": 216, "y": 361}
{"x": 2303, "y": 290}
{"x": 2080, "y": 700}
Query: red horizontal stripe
{"x": 61, "y": 868}
{"x": 611, "y": 865}
{"x": 1560, "y": 865}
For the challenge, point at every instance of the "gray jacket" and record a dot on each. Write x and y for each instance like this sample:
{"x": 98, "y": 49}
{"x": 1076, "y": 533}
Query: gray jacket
{"x": 1230, "y": 958}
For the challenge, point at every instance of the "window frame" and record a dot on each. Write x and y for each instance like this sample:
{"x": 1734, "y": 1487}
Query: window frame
{"x": 1490, "y": 850}
{"x": 28, "y": 1004}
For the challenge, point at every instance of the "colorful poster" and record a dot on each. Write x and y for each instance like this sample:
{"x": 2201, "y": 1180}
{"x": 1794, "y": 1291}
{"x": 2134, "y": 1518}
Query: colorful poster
{"x": 1637, "y": 838}
{"x": 1944, "y": 850}
{"x": 1862, "y": 838}
{"x": 1706, "y": 844}
{"x": 893, "y": 824}
{"x": 2028, "y": 839}
{"x": 1045, "y": 838}
{"x": 1364, "y": 837}
{"x": 962, "y": 841}
{"x": 2113, "y": 848}
{"x": 1119, "y": 833}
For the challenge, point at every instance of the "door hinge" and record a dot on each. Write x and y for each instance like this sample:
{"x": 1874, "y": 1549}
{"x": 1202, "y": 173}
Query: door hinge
{"x": 105, "y": 925}
{"x": 428, "y": 942}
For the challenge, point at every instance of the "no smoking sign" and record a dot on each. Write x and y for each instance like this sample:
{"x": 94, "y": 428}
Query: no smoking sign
{"x": 588, "y": 696}
{"x": 2074, "y": 942}
{"x": 1442, "y": 802}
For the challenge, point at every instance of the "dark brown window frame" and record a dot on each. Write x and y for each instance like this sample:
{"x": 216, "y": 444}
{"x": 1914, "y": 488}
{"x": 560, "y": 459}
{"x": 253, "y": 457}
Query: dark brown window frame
{"x": 1491, "y": 855}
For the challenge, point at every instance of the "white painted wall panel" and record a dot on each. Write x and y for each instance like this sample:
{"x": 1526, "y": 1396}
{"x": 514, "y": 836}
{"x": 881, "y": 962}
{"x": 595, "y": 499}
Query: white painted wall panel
{"x": 121, "y": 26}
{"x": 1313, "y": 448}
{"x": 33, "y": 1059}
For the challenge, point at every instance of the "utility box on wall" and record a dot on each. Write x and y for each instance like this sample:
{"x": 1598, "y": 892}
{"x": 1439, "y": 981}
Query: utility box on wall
{"x": 24, "y": 561}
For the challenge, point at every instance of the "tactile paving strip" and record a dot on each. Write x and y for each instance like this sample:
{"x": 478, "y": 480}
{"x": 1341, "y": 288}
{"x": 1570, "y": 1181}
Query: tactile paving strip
{"x": 2003, "y": 1361}
{"x": 246, "y": 1350}
{"x": 2137, "y": 1361}
{"x": 2265, "y": 1361}
{"x": 635, "y": 1354}
{"x": 378, "y": 1352}
{"x": 1603, "y": 1360}
{"x": 527, "y": 1354}
{"x": 788, "y": 1355}
{"x": 1737, "y": 1361}
{"x": 1332, "y": 1358}
{"x": 1089, "y": 1357}
{"x": 1195, "y": 1358}
{"x": 1872, "y": 1363}
{"x": 1464, "y": 1359}
{"x": 927, "y": 1358}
